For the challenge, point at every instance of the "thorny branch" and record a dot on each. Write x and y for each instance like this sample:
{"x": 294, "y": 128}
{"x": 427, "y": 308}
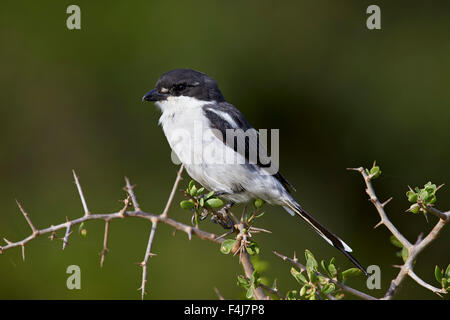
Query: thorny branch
{"x": 131, "y": 200}
{"x": 413, "y": 249}
{"x": 243, "y": 229}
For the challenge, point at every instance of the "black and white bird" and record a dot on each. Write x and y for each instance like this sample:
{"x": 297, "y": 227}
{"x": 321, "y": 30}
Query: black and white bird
{"x": 196, "y": 119}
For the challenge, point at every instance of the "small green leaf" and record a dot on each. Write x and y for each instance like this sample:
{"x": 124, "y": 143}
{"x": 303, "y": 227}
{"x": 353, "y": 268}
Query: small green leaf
{"x": 209, "y": 195}
{"x": 447, "y": 272}
{"x": 311, "y": 262}
{"x": 242, "y": 282}
{"x": 227, "y": 245}
{"x": 252, "y": 248}
{"x": 328, "y": 288}
{"x": 291, "y": 295}
{"x": 249, "y": 293}
{"x": 259, "y": 203}
{"x": 202, "y": 202}
{"x": 332, "y": 269}
{"x": 255, "y": 278}
{"x": 412, "y": 196}
{"x": 187, "y": 204}
{"x": 200, "y": 191}
{"x": 395, "y": 242}
{"x": 375, "y": 172}
{"x": 324, "y": 266}
{"x": 214, "y": 203}
{"x": 298, "y": 276}
{"x": 423, "y": 194}
{"x": 303, "y": 290}
{"x": 444, "y": 283}
{"x": 438, "y": 274}
{"x": 414, "y": 208}
{"x": 193, "y": 190}
{"x": 404, "y": 254}
{"x": 352, "y": 272}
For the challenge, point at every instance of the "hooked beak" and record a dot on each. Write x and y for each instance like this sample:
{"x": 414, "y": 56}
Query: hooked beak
{"x": 154, "y": 95}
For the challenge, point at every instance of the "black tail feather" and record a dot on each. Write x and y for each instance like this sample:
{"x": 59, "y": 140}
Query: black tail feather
{"x": 330, "y": 237}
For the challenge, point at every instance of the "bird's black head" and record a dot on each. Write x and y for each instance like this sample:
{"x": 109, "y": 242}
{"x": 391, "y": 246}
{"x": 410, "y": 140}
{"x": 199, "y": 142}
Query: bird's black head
{"x": 185, "y": 82}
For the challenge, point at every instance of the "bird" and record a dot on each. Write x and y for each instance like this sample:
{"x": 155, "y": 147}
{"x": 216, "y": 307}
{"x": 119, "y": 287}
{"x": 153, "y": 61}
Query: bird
{"x": 197, "y": 121}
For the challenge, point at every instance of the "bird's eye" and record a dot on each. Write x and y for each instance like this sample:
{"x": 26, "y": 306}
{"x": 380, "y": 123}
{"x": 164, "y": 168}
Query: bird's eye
{"x": 180, "y": 87}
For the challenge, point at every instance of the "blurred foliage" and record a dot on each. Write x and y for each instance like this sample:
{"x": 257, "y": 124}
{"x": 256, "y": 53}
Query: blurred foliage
{"x": 340, "y": 94}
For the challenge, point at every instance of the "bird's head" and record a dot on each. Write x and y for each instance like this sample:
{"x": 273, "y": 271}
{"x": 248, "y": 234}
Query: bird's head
{"x": 184, "y": 83}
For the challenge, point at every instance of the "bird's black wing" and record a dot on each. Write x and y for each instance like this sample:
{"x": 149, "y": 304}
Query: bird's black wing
{"x": 223, "y": 116}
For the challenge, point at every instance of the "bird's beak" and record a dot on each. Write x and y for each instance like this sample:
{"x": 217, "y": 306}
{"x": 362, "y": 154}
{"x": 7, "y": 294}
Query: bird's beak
{"x": 154, "y": 95}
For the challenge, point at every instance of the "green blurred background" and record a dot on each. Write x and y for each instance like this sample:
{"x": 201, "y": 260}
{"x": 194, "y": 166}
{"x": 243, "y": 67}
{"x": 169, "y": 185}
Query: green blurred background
{"x": 342, "y": 96}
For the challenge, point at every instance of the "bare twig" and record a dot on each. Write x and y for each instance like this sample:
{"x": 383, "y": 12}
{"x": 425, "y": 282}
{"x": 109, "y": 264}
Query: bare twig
{"x": 33, "y": 228}
{"x": 219, "y": 295}
{"x": 380, "y": 208}
{"x": 105, "y": 243}
{"x": 80, "y": 191}
{"x": 416, "y": 278}
{"x": 148, "y": 254}
{"x": 172, "y": 193}
{"x": 129, "y": 189}
{"x": 413, "y": 250}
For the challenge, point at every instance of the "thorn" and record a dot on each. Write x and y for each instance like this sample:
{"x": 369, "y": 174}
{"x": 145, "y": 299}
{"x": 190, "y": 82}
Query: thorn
{"x": 397, "y": 266}
{"x": 7, "y": 241}
{"x": 189, "y": 232}
{"x": 23, "y": 252}
{"x": 295, "y": 257}
{"x": 386, "y": 202}
{"x": 378, "y": 224}
{"x": 360, "y": 169}
{"x": 440, "y": 186}
{"x": 410, "y": 189}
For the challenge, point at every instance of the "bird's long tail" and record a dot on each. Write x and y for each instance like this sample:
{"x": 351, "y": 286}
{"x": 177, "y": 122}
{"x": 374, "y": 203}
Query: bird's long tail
{"x": 293, "y": 207}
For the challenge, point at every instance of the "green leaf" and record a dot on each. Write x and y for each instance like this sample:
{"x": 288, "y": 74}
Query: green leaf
{"x": 423, "y": 194}
{"x": 375, "y": 172}
{"x": 324, "y": 266}
{"x": 291, "y": 295}
{"x": 447, "y": 272}
{"x": 227, "y": 245}
{"x": 214, "y": 203}
{"x": 259, "y": 203}
{"x": 328, "y": 288}
{"x": 193, "y": 190}
{"x": 412, "y": 196}
{"x": 303, "y": 290}
{"x": 438, "y": 274}
{"x": 202, "y": 202}
{"x": 311, "y": 262}
{"x": 191, "y": 184}
{"x": 255, "y": 279}
{"x": 404, "y": 254}
{"x": 252, "y": 248}
{"x": 414, "y": 208}
{"x": 298, "y": 276}
{"x": 200, "y": 191}
{"x": 444, "y": 283}
{"x": 249, "y": 293}
{"x": 395, "y": 242}
{"x": 352, "y": 272}
{"x": 209, "y": 195}
{"x": 332, "y": 269}
{"x": 243, "y": 282}
{"x": 187, "y": 204}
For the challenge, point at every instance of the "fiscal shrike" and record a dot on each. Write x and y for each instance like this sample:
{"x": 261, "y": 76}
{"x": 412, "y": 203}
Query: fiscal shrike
{"x": 198, "y": 123}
